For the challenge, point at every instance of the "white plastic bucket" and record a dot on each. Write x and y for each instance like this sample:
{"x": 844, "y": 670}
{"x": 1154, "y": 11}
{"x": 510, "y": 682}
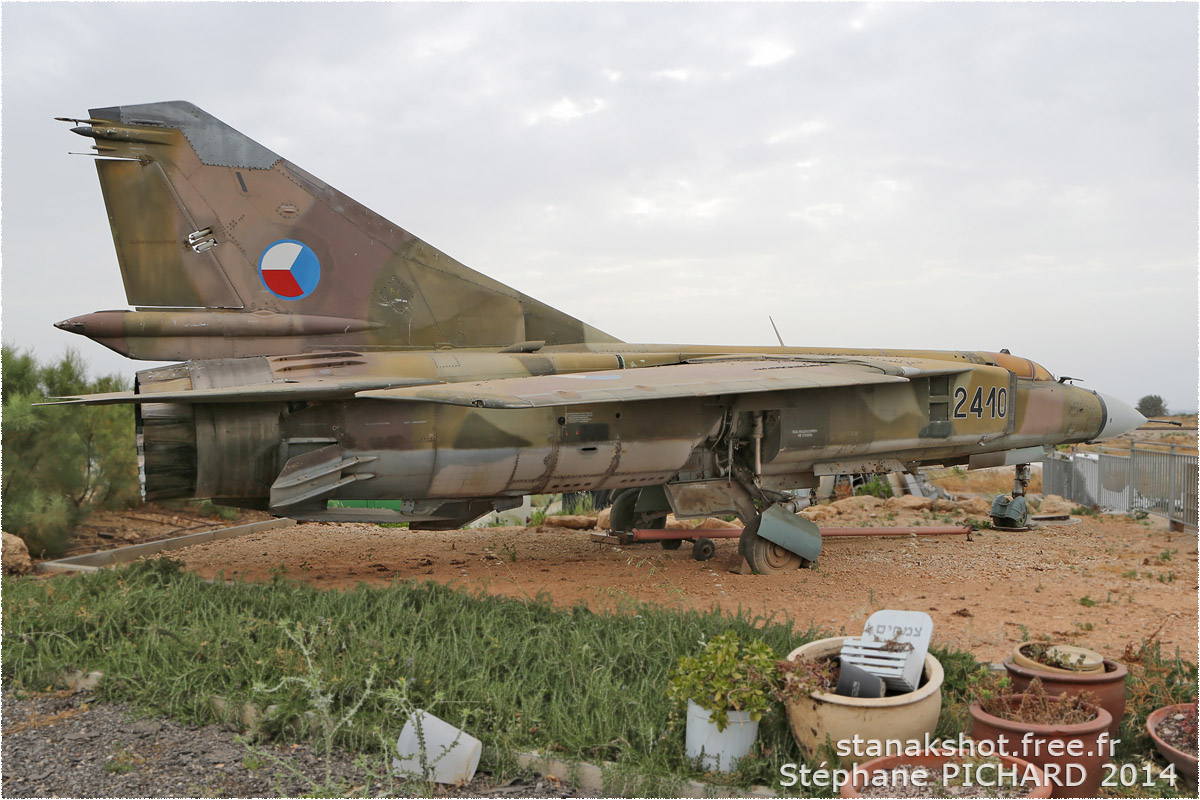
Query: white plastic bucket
{"x": 719, "y": 750}
{"x": 450, "y": 755}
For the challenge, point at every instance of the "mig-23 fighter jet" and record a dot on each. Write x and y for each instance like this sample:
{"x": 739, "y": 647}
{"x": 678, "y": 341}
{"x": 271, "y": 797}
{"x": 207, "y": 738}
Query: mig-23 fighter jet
{"x": 331, "y": 355}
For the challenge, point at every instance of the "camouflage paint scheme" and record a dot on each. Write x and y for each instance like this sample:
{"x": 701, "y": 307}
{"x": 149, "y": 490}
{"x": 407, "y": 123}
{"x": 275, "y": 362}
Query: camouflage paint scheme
{"x": 400, "y": 373}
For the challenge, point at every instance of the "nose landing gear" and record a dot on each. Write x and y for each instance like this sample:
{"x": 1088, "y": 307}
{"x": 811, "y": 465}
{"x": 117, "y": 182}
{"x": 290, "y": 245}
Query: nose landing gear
{"x": 1013, "y": 513}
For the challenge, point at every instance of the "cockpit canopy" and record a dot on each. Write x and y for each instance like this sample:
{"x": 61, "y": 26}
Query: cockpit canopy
{"x": 1021, "y": 367}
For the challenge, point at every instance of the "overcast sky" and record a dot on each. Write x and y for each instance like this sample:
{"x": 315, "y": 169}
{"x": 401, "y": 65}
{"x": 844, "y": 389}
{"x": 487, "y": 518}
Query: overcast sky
{"x": 952, "y": 176}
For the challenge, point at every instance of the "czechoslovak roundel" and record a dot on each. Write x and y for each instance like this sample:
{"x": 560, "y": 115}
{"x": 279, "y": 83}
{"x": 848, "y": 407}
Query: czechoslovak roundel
{"x": 289, "y": 269}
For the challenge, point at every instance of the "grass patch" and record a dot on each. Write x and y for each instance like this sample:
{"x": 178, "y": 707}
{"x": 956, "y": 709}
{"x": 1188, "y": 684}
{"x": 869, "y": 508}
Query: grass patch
{"x": 991, "y": 481}
{"x": 517, "y": 674}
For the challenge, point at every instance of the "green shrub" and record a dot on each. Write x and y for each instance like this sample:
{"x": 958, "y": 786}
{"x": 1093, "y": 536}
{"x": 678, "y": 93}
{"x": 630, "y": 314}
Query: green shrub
{"x": 878, "y": 486}
{"x": 61, "y": 463}
{"x": 727, "y": 676}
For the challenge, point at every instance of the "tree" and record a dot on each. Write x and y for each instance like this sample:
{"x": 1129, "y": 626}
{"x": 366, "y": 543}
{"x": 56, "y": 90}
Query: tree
{"x": 1152, "y": 406}
{"x": 61, "y": 463}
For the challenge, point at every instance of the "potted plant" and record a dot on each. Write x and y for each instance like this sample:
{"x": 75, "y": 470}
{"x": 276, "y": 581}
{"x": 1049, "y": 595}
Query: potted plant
{"x": 1041, "y": 727}
{"x": 727, "y": 689}
{"x": 1173, "y": 730}
{"x": 820, "y": 719}
{"x": 946, "y": 773}
{"x": 1046, "y": 656}
{"x": 1068, "y": 670}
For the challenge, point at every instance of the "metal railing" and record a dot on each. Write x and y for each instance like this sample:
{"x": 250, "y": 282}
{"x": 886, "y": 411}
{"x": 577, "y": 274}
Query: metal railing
{"x": 1150, "y": 479}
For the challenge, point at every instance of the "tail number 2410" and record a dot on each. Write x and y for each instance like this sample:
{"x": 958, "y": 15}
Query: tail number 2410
{"x": 996, "y": 403}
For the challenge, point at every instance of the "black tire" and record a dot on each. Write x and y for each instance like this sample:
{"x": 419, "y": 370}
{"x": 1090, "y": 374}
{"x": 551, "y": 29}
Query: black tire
{"x": 670, "y": 544}
{"x": 620, "y": 518}
{"x": 764, "y": 556}
{"x": 645, "y": 520}
{"x": 703, "y": 549}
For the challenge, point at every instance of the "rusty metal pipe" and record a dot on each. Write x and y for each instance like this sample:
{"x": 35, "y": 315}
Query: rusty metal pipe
{"x": 656, "y": 534}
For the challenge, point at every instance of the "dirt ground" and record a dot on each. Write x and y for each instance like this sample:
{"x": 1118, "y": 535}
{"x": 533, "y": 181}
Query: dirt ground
{"x": 1101, "y": 582}
{"x": 146, "y": 523}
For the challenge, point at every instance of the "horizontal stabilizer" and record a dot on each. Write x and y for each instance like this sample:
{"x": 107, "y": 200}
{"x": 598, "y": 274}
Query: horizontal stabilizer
{"x": 648, "y": 383}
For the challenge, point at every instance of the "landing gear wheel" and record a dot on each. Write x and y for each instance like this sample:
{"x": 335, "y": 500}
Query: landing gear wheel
{"x": 623, "y": 519}
{"x": 620, "y": 519}
{"x": 764, "y": 556}
{"x": 670, "y": 544}
{"x": 703, "y": 549}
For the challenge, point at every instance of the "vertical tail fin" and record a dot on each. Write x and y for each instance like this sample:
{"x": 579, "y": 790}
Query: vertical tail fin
{"x": 254, "y": 256}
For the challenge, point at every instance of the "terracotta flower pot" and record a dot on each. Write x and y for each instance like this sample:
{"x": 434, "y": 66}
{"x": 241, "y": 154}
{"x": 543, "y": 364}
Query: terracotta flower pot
{"x": 936, "y": 758}
{"x": 1185, "y": 765}
{"x": 1086, "y": 660}
{"x": 1070, "y": 775}
{"x": 826, "y": 716}
{"x": 1108, "y": 686}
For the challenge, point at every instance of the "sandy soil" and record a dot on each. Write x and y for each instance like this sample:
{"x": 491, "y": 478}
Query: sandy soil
{"x": 1102, "y": 582}
{"x": 107, "y": 529}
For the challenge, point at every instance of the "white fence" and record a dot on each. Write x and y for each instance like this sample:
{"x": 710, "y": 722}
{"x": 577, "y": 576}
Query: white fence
{"x": 1161, "y": 482}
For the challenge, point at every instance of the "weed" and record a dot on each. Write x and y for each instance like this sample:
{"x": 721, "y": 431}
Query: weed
{"x": 992, "y": 481}
{"x": 1129, "y": 573}
{"x": 1167, "y": 555}
{"x": 122, "y": 760}
{"x": 1088, "y": 601}
{"x": 878, "y": 486}
{"x": 578, "y": 503}
{"x": 1084, "y": 511}
{"x": 1085, "y": 626}
{"x": 207, "y": 508}
{"x": 637, "y": 563}
{"x": 1155, "y": 680}
{"x": 801, "y": 677}
{"x": 1038, "y": 708}
{"x": 510, "y": 552}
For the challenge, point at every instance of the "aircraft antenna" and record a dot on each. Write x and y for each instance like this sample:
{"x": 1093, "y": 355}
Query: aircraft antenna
{"x": 777, "y": 336}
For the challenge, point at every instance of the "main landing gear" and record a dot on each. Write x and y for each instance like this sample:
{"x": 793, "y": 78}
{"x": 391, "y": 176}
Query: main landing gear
{"x": 625, "y": 516}
{"x": 778, "y": 540}
{"x": 764, "y": 556}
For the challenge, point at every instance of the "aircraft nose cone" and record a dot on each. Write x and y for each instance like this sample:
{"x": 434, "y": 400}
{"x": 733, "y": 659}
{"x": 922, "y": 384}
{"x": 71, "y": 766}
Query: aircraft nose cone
{"x": 1122, "y": 418}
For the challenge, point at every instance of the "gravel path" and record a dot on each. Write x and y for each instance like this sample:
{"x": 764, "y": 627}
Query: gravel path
{"x": 62, "y": 745}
